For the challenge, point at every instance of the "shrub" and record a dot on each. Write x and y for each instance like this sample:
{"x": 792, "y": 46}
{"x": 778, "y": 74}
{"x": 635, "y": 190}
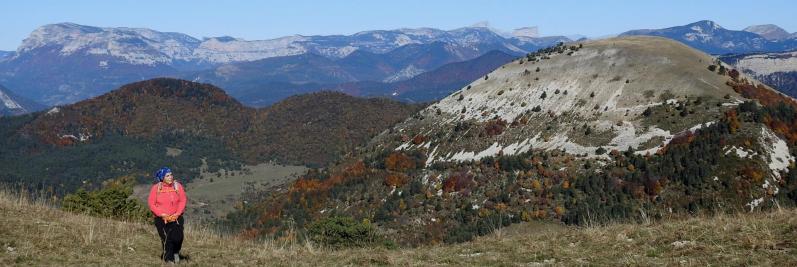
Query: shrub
{"x": 647, "y": 112}
{"x": 600, "y": 151}
{"x": 342, "y": 232}
{"x": 734, "y": 74}
{"x": 712, "y": 68}
{"x": 111, "y": 202}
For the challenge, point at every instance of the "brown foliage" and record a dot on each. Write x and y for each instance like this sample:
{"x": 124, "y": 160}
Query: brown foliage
{"x": 753, "y": 174}
{"x": 399, "y": 162}
{"x": 734, "y": 74}
{"x": 764, "y": 95}
{"x": 458, "y": 181}
{"x": 313, "y": 129}
{"x": 495, "y": 127}
{"x": 418, "y": 139}
{"x": 396, "y": 179}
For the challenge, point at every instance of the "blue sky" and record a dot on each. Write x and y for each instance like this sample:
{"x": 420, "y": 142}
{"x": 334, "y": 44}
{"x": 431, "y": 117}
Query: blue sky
{"x": 270, "y": 19}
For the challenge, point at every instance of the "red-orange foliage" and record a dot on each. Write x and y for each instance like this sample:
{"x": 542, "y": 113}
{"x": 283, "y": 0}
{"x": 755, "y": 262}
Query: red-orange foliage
{"x": 305, "y": 185}
{"x": 764, "y": 96}
{"x": 495, "y": 127}
{"x": 458, "y": 181}
{"x": 770, "y": 98}
{"x": 355, "y": 169}
{"x": 653, "y": 187}
{"x": 753, "y": 174}
{"x": 418, "y": 139}
{"x": 397, "y": 161}
{"x": 65, "y": 141}
{"x": 396, "y": 179}
{"x": 249, "y": 234}
{"x": 733, "y": 120}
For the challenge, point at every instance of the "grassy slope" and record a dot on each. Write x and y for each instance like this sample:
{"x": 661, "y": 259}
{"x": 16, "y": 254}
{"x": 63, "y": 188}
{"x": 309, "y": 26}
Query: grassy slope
{"x": 33, "y": 233}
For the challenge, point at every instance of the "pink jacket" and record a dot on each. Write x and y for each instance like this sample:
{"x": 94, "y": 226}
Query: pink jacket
{"x": 164, "y": 198}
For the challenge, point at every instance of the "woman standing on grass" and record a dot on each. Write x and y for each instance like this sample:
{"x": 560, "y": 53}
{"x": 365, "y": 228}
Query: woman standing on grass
{"x": 167, "y": 203}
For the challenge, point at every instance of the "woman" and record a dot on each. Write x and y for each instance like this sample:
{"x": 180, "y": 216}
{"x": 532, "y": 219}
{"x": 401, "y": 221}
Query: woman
{"x": 167, "y": 203}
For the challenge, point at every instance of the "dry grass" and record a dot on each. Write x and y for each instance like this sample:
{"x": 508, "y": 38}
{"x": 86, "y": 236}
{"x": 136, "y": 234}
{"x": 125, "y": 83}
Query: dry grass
{"x": 35, "y": 234}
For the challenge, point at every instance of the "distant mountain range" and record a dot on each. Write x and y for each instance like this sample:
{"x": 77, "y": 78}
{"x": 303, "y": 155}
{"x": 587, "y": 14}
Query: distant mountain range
{"x": 311, "y": 71}
{"x": 85, "y": 61}
{"x": 257, "y": 91}
{"x": 432, "y": 85}
{"x": 771, "y": 32}
{"x": 64, "y": 63}
{"x": 711, "y": 38}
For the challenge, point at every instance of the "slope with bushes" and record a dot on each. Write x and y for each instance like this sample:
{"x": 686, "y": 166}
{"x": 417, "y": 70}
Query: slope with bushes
{"x": 624, "y": 129}
{"x": 32, "y": 233}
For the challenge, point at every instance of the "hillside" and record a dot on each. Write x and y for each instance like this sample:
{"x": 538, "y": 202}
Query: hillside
{"x": 319, "y": 128}
{"x": 35, "y": 234}
{"x": 632, "y": 128}
{"x": 131, "y": 131}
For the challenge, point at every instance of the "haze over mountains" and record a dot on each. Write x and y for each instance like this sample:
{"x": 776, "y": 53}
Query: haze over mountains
{"x": 712, "y": 38}
{"x": 109, "y": 57}
{"x": 66, "y": 62}
{"x": 85, "y": 61}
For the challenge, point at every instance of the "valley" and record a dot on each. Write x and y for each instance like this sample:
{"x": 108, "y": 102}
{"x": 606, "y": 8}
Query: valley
{"x": 364, "y": 139}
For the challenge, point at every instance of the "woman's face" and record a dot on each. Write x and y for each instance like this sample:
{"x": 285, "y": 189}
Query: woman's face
{"x": 168, "y": 178}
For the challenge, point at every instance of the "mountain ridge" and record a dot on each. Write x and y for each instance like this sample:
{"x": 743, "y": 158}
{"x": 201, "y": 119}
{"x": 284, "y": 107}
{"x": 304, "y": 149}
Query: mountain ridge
{"x": 641, "y": 127}
{"x": 86, "y": 61}
{"x": 710, "y": 37}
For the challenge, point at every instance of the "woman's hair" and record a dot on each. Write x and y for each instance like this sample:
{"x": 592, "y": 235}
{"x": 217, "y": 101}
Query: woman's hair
{"x": 161, "y": 173}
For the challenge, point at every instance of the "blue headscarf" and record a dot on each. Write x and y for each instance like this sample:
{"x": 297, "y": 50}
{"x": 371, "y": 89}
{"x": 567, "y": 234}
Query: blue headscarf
{"x": 161, "y": 173}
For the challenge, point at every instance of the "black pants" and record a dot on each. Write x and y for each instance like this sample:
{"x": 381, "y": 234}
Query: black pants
{"x": 171, "y": 235}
